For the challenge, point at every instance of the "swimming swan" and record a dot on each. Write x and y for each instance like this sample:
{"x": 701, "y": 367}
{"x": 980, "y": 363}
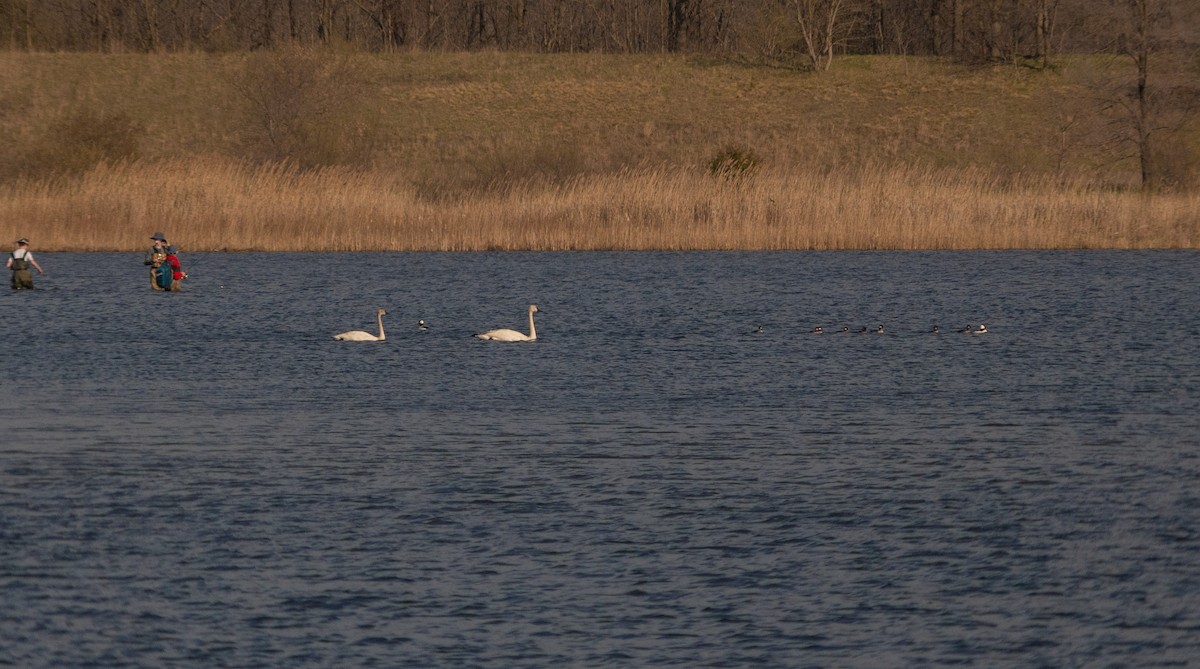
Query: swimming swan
{"x": 512, "y": 335}
{"x": 360, "y": 335}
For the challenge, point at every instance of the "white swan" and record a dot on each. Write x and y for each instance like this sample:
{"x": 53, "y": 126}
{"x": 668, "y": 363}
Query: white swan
{"x": 360, "y": 335}
{"x": 504, "y": 334}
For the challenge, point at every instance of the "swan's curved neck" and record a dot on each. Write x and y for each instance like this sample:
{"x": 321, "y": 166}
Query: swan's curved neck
{"x": 532, "y": 331}
{"x": 379, "y": 318}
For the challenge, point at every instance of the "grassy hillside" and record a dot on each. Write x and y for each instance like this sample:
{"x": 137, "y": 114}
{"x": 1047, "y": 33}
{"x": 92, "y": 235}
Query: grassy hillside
{"x": 476, "y": 150}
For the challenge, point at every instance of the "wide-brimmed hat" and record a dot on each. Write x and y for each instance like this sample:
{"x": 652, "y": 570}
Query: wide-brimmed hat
{"x": 171, "y": 249}
{"x": 159, "y": 236}
{"x": 22, "y": 241}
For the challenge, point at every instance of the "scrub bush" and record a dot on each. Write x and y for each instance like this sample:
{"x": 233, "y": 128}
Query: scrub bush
{"x": 81, "y": 139}
{"x": 304, "y": 108}
{"x": 733, "y": 163}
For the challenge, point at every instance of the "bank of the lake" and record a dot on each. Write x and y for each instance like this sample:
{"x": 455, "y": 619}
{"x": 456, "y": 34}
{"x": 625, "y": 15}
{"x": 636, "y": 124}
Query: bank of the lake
{"x": 521, "y": 151}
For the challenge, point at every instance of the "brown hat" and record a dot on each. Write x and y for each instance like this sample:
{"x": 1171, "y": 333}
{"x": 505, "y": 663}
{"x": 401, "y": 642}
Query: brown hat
{"x": 159, "y": 236}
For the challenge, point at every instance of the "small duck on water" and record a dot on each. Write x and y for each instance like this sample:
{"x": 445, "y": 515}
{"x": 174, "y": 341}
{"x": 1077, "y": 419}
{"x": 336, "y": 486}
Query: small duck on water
{"x": 936, "y": 329}
{"x": 758, "y": 330}
{"x": 818, "y": 330}
{"x": 421, "y": 325}
{"x": 982, "y": 329}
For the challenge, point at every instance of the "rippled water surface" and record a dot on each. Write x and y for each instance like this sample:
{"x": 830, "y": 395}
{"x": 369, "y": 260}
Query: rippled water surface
{"x": 207, "y": 479}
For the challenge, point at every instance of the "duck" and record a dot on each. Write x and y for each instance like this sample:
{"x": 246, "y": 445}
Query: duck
{"x": 879, "y": 329}
{"x": 982, "y": 329}
{"x": 862, "y": 330}
{"x": 844, "y": 329}
{"x": 965, "y": 328}
{"x": 935, "y": 329}
{"x": 757, "y": 330}
{"x": 818, "y": 330}
{"x": 421, "y": 325}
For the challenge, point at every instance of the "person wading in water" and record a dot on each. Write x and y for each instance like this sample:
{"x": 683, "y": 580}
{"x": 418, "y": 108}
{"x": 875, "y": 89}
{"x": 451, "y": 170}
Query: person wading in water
{"x": 19, "y": 262}
{"x": 161, "y": 272}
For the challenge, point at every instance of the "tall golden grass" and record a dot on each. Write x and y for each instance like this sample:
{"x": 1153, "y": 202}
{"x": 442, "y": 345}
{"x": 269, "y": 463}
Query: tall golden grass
{"x": 216, "y": 204}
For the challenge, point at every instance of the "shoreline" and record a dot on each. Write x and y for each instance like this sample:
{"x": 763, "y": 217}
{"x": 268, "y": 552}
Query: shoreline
{"x": 186, "y": 252}
{"x": 220, "y": 205}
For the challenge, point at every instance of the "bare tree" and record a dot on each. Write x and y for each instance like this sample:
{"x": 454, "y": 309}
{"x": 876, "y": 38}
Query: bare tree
{"x": 957, "y": 29}
{"x": 1149, "y": 92}
{"x": 1158, "y": 37}
{"x": 100, "y": 15}
{"x": 820, "y": 24}
{"x": 1137, "y": 45}
{"x": 327, "y": 15}
{"x": 675, "y": 19}
{"x": 389, "y": 23}
{"x": 1047, "y": 11}
{"x": 16, "y": 18}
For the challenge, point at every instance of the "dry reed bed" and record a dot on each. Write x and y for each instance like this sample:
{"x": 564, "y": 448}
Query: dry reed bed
{"x": 217, "y": 205}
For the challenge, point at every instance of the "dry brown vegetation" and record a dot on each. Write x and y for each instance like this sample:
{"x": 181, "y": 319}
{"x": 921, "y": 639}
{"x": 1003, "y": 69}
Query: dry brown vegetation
{"x": 213, "y": 205}
{"x": 516, "y": 151}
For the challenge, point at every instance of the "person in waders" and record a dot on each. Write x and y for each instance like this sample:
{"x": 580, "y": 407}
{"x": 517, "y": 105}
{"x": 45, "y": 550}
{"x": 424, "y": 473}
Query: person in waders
{"x": 19, "y": 261}
{"x": 161, "y": 275}
{"x": 177, "y": 273}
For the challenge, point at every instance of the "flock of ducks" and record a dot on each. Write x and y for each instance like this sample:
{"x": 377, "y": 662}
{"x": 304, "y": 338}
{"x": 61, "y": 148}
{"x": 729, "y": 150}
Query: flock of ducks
{"x": 878, "y": 329}
{"x": 505, "y": 334}
{"x": 499, "y": 334}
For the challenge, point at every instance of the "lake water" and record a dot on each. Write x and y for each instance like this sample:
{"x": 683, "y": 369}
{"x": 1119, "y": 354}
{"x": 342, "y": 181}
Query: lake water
{"x": 207, "y": 479}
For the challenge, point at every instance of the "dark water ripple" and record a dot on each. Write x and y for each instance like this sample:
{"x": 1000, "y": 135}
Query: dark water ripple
{"x": 206, "y": 479}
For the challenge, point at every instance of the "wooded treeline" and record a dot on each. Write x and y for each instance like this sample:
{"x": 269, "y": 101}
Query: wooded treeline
{"x": 807, "y": 31}
{"x": 1149, "y": 104}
